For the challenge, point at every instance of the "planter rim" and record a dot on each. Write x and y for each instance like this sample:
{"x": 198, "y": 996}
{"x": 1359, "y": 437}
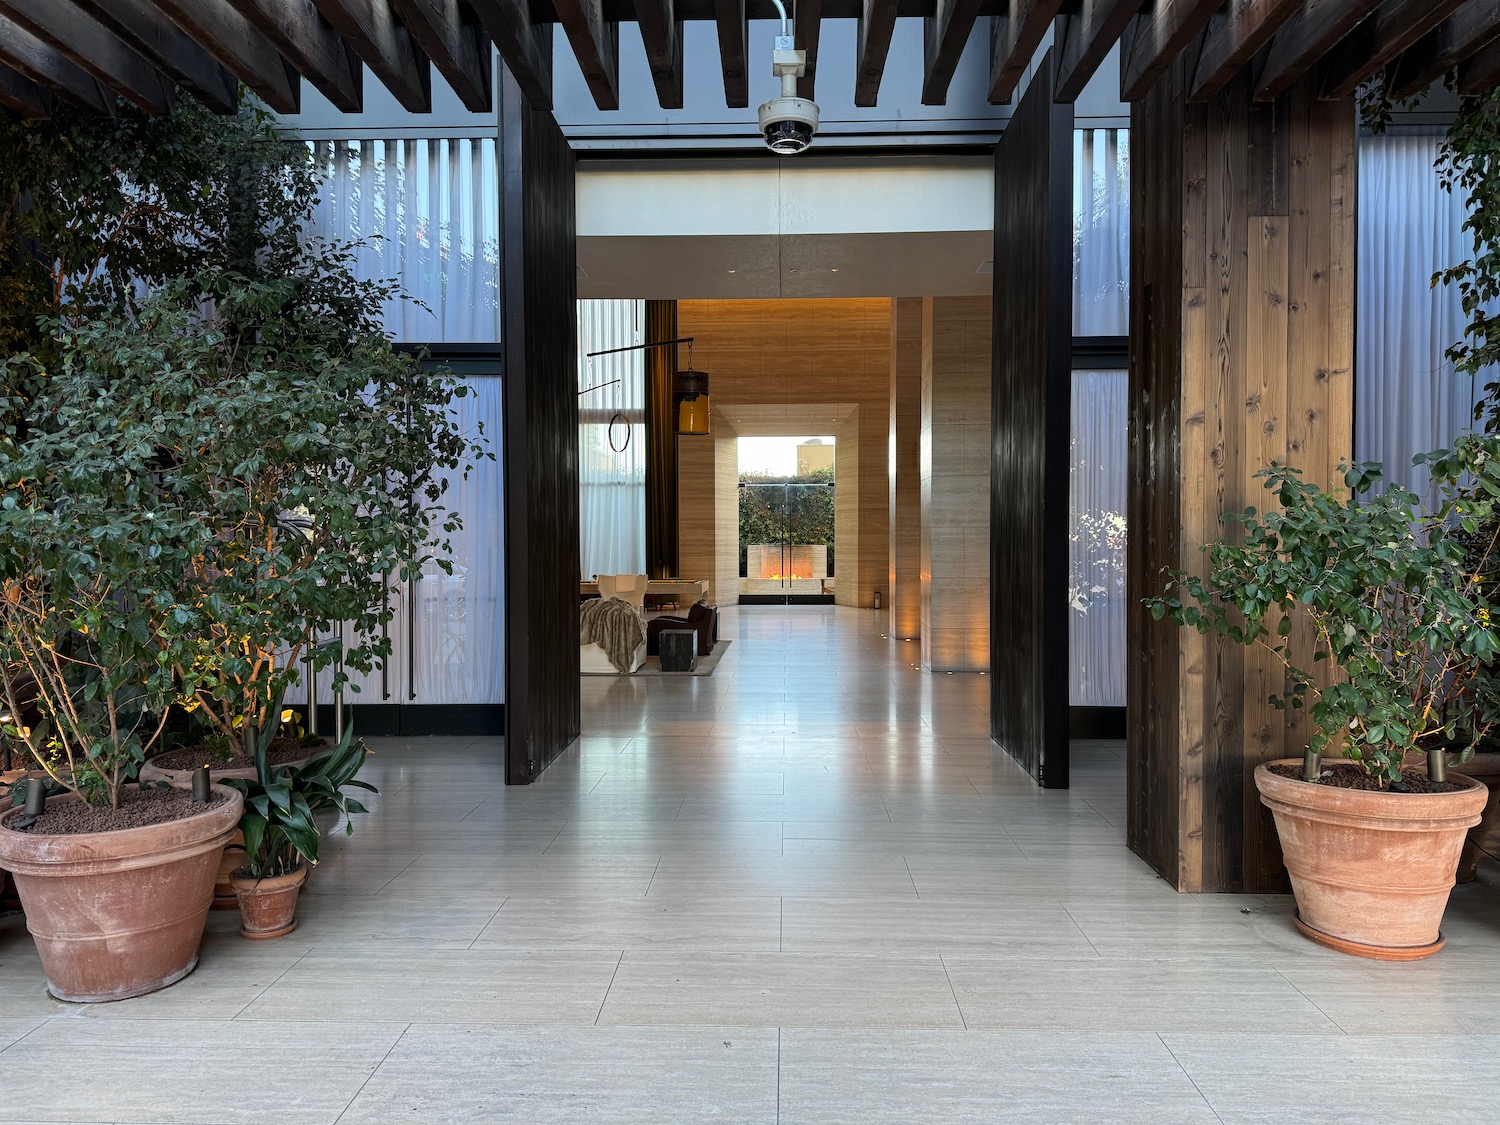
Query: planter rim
{"x": 271, "y": 883}
{"x": 227, "y": 771}
{"x": 1395, "y": 811}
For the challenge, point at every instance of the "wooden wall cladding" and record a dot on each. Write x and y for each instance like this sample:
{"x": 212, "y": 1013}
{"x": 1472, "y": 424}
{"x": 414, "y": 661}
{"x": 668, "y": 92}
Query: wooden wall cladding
{"x": 539, "y": 302}
{"x": 1031, "y": 426}
{"x": 661, "y": 442}
{"x": 1242, "y": 341}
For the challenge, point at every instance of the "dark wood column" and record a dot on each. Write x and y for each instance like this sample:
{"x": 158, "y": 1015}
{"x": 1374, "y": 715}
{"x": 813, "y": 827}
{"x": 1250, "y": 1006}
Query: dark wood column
{"x": 661, "y": 442}
{"x": 1242, "y": 341}
{"x": 1031, "y": 393}
{"x": 539, "y": 283}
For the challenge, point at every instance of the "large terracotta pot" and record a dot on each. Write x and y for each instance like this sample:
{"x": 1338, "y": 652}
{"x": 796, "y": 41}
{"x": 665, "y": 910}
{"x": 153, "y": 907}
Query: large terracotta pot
{"x": 1484, "y": 836}
{"x": 1371, "y": 871}
{"x": 119, "y": 914}
{"x": 268, "y": 907}
{"x": 183, "y": 779}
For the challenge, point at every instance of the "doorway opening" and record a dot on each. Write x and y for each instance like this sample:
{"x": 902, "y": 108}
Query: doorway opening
{"x": 786, "y": 521}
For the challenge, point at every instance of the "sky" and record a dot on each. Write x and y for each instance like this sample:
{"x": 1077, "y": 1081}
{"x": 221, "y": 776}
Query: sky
{"x": 775, "y": 455}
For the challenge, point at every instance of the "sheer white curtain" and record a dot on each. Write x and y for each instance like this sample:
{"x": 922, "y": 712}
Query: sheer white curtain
{"x": 611, "y": 439}
{"x": 1096, "y": 539}
{"x": 1101, "y": 232}
{"x": 428, "y": 212}
{"x": 1407, "y": 397}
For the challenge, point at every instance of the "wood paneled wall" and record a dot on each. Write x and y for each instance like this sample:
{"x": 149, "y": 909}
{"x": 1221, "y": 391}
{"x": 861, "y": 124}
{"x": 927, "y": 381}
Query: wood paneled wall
{"x": 1242, "y": 336}
{"x": 904, "y": 469}
{"x": 661, "y": 442}
{"x": 539, "y": 302}
{"x": 1031, "y": 418}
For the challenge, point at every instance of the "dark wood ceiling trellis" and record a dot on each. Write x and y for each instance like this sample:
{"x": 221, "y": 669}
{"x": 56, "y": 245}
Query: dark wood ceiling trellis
{"x": 88, "y": 51}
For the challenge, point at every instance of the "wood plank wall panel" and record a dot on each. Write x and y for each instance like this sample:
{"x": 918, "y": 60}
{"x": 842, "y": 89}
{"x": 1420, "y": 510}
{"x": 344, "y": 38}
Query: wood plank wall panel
{"x": 661, "y": 442}
{"x": 539, "y": 302}
{"x": 1242, "y": 335}
{"x": 904, "y": 471}
{"x": 1031, "y": 419}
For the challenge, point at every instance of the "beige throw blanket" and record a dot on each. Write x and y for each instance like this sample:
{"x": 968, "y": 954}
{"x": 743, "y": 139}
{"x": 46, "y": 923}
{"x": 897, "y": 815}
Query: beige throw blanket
{"x": 615, "y": 626}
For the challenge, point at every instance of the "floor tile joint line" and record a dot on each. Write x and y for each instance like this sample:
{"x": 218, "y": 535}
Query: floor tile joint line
{"x": 373, "y": 1071}
{"x": 606, "y": 991}
{"x": 1186, "y": 1075}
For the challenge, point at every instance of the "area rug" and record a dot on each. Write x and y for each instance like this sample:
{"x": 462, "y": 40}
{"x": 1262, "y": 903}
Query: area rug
{"x": 652, "y": 667}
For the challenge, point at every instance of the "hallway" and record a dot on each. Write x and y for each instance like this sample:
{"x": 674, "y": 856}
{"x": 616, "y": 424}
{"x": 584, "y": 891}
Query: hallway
{"x": 805, "y": 889}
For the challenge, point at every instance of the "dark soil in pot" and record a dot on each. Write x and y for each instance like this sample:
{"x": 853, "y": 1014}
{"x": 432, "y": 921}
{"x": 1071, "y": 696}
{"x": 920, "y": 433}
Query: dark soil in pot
{"x": 1347, "y": 775}
{"x": 283, "y": 751}
{"x": 138, "y": 809}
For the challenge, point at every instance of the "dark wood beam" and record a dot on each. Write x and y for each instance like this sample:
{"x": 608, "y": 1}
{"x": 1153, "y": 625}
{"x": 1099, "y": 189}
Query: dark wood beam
{"x": 1395, "y": 26}
{"x": 1084, "y": 40}
{"x": 596, "y": 44}
{"x": 141, "y": 24}
{"x": 1015, "y": 37}
{"x": 22, "y": 94}
{"x": 92, "y": 47}
{"x": 45, "y": 65}
{"x": 458, "y": 50}
{"x": 1233, "y": 38}
{"x": 313, "y": 46}
{"x": 525, "y": 46}
{"x": 661, "y": 32}
{"x": 1153, "y": 40}
{"x": 877, "y": 21}
{"x": 1304, "y": 39}
{"x": 229, "y": 37}
{"x": 729, "y": 17}
{"x": 370, "y": 27}
{"x": 947, "y": 33}
{"x": 1480, "y": 73}
{"x": 809, "y": 28}
{"x": 1466, "y": 32}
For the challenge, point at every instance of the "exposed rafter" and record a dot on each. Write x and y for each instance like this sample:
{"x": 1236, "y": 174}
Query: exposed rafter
{"x": 92, "y": 47}
{"x": 809, "y": 28}
{"x": 1467, "y": 31}
{"x": 596, "y": 43}
{"x": 729, "y": 16}
{"x": 1083, "y": 41}
{"x": 1304, "y": 39}
{"x": 227, "y": 35}
{"x": 45, "y": 65}
{"x": 1395, "y": 26}
{"x": 313, "y": 46}
{"x": 1014, "y": 39}
{"x": 1481, "y": 71}
{"x": 22, "y": 94}
{"x": 661, "y": 32}
{"x": 386, "y": 48}
{"x": 1153, "y": 40}
{"x": 877, "y": 21}
{"x": 141, "y": 24}
{"x": 1233, "y": 37}
{"x": 459, "y": 50}
{"x": 946, "y": 34}
{"x": 525, "y": 46}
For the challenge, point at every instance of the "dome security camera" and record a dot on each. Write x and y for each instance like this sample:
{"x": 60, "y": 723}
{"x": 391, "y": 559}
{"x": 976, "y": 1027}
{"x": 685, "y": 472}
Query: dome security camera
{"x": 788, "y": 122}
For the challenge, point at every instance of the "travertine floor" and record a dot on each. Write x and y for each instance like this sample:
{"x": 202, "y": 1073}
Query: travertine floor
{"x": 805, "y": 889}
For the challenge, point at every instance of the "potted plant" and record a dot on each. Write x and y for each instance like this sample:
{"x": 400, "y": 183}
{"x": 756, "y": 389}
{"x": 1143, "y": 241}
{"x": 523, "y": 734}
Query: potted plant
{"x": 1395, "y": 676}
{"x": 281, "y": 836}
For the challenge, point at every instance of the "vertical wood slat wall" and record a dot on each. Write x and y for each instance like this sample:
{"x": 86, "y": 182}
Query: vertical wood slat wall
{"x": 539, "y": 290}
{"x": 661, "y": 442}
{"x": 1242, "y": 340}
{"x": 1031, "y": 393}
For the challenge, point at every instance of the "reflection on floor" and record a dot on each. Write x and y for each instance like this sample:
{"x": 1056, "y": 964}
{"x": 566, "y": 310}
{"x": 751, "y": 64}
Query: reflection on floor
{"x": 805, "y": 889}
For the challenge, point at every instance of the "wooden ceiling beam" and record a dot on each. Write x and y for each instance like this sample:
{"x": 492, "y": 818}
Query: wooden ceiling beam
{"x": 809, "y": 29}
{"x": 1232, "y": 39}
{"x": 370, "y": 27}
{"x": 946, "y": 34}
{"x": 46, "y": 66}
{"x": 1466, "y": 32}
{"x": 1480, "y": 72}
{"x": 313, "y": 46}
{"x": 460, "y": 51}
{"x": 1084, "y": 41}
{"x": 661, "y": 32}
{"x": 596, "y": 44}
{"x": 22, "y": 94}
{"x": 1014, "y": 39}
{"x": 92, "y": 47}
{"x": 729, "y": 18}
{"x": 141, "y": 24}
{"x": 1395, "y": 26}
{"x": 1153, "y": 40}
{"x": 525, "y": 46}
{"x": 877, "y": 22}
{"x": 1304, "y": 39}
{"x": 246, "y": 53}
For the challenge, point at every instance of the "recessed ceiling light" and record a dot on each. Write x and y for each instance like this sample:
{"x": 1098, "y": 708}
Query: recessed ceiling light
{"x": 794, "y": 271}
{"x": 734, "y": 271}
{"x": 834, "y": 270}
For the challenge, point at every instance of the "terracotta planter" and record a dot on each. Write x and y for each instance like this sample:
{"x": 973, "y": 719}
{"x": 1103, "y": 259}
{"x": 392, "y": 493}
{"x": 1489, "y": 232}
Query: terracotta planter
{"x": 183, "y": 779}
{"x": 119, "y": 914}
{"x": 268, "y": 907}
{"x": 1371, "y": 871}
{"x": 230, "y": 860}
{"x": 1484, "y": 836}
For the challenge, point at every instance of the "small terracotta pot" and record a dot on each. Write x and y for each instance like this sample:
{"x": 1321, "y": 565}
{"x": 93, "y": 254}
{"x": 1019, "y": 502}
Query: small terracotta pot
{"x": 1484, "y": 836}
{"x": 231, "y": 859}
{"x": 268, "y": 907}
{"x": 119, "y": 914}
{"x": 1371, "y": 871}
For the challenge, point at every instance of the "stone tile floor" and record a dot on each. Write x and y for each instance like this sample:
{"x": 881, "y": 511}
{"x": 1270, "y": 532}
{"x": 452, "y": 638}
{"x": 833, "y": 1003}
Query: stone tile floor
{"x": 806, "y": 889}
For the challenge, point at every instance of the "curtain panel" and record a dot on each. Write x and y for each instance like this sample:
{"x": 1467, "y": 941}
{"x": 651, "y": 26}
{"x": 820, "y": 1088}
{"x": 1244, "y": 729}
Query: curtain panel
{"x": 1101, "y": 232}
{"x": 1096, "y": 539}
{"x": 611, "y": 439}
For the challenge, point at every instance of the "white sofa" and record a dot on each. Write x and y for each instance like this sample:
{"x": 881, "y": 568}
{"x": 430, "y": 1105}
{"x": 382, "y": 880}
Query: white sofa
{"x": 594, "y": 661}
